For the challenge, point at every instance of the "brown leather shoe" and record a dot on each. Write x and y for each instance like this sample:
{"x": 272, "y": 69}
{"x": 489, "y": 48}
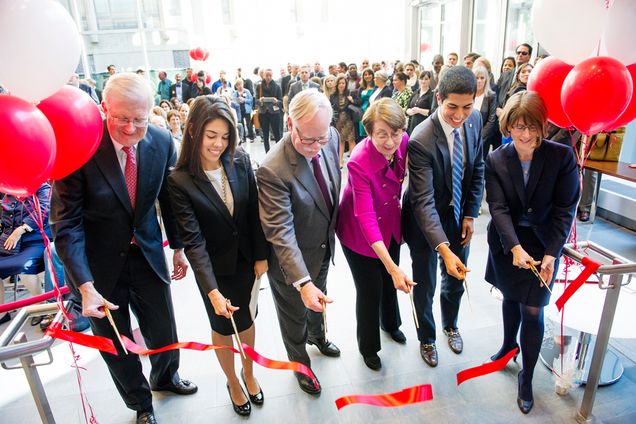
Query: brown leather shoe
{"x": 429, "y": 354}
{"x": 455, "y": 341}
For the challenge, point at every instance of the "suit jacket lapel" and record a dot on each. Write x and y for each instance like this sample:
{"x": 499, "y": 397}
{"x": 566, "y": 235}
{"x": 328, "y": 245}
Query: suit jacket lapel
{"x": 215, "y": 200}
{"x": 146, "y": 165}
{"x": 469, "y": 151}
{"x": 107, "y": 162}
{"x": 442, "y": 144}
{"x": 516, "y": 173}
{"x": 233, "y": 181}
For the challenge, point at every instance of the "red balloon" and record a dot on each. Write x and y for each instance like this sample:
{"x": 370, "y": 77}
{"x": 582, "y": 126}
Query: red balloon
{"x": 208, "y": 79}
{"x": 193, "y": 54}
{"x": 193, "y": 77}
{"x": 595, "y": 93}
{"x": 630, "y": 112}
{"x": 27, "y": 147}
{"x": 547, "y": 79}
{"x": 78, "y": 128}
{"x": 205, "y": 56}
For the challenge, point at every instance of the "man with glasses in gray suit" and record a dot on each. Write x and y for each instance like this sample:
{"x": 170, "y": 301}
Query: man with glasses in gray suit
{"x": 299, "y": 189}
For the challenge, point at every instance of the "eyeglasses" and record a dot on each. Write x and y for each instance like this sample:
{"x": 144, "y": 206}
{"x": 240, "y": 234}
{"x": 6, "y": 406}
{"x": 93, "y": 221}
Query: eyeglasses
{"x": 384, "y": 136}
{"x": 309, "y": 141}
{"x": 522, "y": 128}
{"x": 523, "y": 53}
{"x": 137, "y": 122}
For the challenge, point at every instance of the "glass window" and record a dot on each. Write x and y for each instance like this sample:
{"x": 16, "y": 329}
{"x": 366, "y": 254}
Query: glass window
{"x": 439, "y": 30}
{"x": 518, "y": 26}
{"x": 486, "y": 29}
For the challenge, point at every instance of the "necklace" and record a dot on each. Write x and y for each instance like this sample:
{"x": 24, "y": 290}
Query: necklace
{"x": 224, "y": 186}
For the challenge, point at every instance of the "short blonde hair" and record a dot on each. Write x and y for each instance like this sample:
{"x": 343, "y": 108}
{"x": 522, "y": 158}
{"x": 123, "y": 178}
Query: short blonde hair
{"x": 306, "y": 104}
{"x": 129, "y": 86}
{"x": 386, "y": 110}
{"x": 524, "y": 106}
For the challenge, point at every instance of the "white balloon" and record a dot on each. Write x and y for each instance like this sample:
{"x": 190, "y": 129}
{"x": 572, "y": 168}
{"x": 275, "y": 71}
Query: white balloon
{"x": 40, "y": 47}
{"x": 569, "y": 29}
{"x": 620, "y": 33}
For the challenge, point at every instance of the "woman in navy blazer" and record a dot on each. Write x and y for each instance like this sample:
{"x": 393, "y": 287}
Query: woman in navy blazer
{"x": 369, "y": 226}
{"x": 214, "y": 198}
{"x": 532, "y": 190}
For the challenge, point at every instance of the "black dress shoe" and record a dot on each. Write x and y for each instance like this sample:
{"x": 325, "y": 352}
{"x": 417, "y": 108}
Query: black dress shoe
{"x": 147, "y": 418}
{"x": 455, "y": 341}
{"x": 243, "y": 410}
{"x": 398, "y": 336}
{"x": 182, "y": 387}
{"x": 502, "y": 352}
{"x": 524, "y": 405}
{"x": 307, "y": 385}
{"x": 256, "y": 399}
{"x": 325, "y": 347}
{"x": 429, "y": 353}
{"x": 373, "y": 362}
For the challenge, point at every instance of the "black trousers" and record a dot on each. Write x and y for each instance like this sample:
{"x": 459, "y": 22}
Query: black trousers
{"x": 424, "y": 274}
{"x": 295, "y": 320}
{"x": 151, "y": 301}
{"x": 376, "y": 298}
{"x": 270, "y": 120}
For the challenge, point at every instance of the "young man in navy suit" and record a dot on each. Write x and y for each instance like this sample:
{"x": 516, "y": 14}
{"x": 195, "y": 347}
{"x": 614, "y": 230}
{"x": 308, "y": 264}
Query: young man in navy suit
{"x": 108, "y": 237}
{"x": 446, "y": 177}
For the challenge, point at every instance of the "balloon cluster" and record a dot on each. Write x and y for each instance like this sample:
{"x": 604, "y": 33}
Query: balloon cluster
{"x": 53, "y": 138}
{"x": 199, "y": 53}
{"x": 592, "y": 94}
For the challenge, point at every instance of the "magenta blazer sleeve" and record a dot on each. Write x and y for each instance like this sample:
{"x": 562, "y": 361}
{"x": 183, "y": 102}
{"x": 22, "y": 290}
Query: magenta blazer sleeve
{"x": 370, "y": 207}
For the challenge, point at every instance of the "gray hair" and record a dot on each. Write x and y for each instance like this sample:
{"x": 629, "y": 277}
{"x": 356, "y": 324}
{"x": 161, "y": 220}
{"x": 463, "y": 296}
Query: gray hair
{"x": 306, "y": 104}
{"x": 382, "y": 75}
{"x": 482, "y": 71}
{"x": 129, "y": 86}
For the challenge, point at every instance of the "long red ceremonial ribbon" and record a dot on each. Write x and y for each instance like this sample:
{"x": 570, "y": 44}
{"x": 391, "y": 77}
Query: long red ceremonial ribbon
{"x": 96, "y": 342}
{"x": 486, "y": 368}
{"x": 32, "y": 300}
{"x": 106, "y": 345}
{"x": 590, "y": 268}
{"x": 407, "y": 396}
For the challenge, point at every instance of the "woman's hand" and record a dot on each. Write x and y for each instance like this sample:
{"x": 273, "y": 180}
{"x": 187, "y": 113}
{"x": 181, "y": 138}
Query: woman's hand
{"x": 350, "y": 99}
{"x": 221, "y": 305}
{"x": 12, "y": 241}
{"x": 547, "y": 268}
{"x": 400, "y": 280}
{"x": 410, "y": 111}
{"x": 521, "y": 259}
{"x": 260, "y": 268}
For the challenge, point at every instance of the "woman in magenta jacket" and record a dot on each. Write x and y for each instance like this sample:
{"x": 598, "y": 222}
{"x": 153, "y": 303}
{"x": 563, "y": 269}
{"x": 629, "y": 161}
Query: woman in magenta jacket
{"x": 369, "y": 226}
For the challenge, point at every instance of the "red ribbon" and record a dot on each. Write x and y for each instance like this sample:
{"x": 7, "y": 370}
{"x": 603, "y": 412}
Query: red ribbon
{"x": 33, "y": 300}
{"x": 590, "y": 268}
{"x": 106, "y": 345}
{"x": 486, "y": 368}
{"x": 407, "y": 396}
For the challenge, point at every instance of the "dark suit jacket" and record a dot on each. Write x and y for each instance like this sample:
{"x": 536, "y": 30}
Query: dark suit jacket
{"x": 549, "y": 199}
{"x": 488, "y": 117}
{"x": 429, "y": 195}
{"x": 503, "y": 85}
{"x": 294, "y": 216}
{"x": 297, "y": 87}
{"x": 387, "y": 91}
{"x": 94, "y": 222}
{"x": 185, "y": 91}
{"x": 214, "y": 240}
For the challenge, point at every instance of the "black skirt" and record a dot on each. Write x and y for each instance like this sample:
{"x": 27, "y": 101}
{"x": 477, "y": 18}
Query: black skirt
{"x": 238, "y": 289}
{"x": 516, "y": 284}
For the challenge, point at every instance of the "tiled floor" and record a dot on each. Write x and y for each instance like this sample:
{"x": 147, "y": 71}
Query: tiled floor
{"x": 490, "y": 399}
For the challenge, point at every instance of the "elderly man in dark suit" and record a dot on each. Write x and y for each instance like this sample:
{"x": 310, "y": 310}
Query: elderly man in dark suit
{"x": 180, "y": 89}
{"x": 299, "y": 188}
{"x": 108, "y": 237}
{"x": 445, "y": 187}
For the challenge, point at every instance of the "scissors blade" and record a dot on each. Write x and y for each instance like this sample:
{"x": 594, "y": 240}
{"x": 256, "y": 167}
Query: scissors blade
{"x": 112, "y": 324}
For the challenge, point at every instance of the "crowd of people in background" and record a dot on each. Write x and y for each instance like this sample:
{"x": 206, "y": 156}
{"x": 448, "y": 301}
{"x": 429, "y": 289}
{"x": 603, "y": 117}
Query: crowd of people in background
{"x": 435, "y": 125}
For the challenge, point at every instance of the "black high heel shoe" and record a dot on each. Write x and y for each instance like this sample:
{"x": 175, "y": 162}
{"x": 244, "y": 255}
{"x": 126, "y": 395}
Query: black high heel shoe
{"x": 524, "y": 405}
{"x": 503, "y": 353}
{"x": 257, "y": 399}
{"x": 243, "y": 410}
{"x": 5, "y": 318}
